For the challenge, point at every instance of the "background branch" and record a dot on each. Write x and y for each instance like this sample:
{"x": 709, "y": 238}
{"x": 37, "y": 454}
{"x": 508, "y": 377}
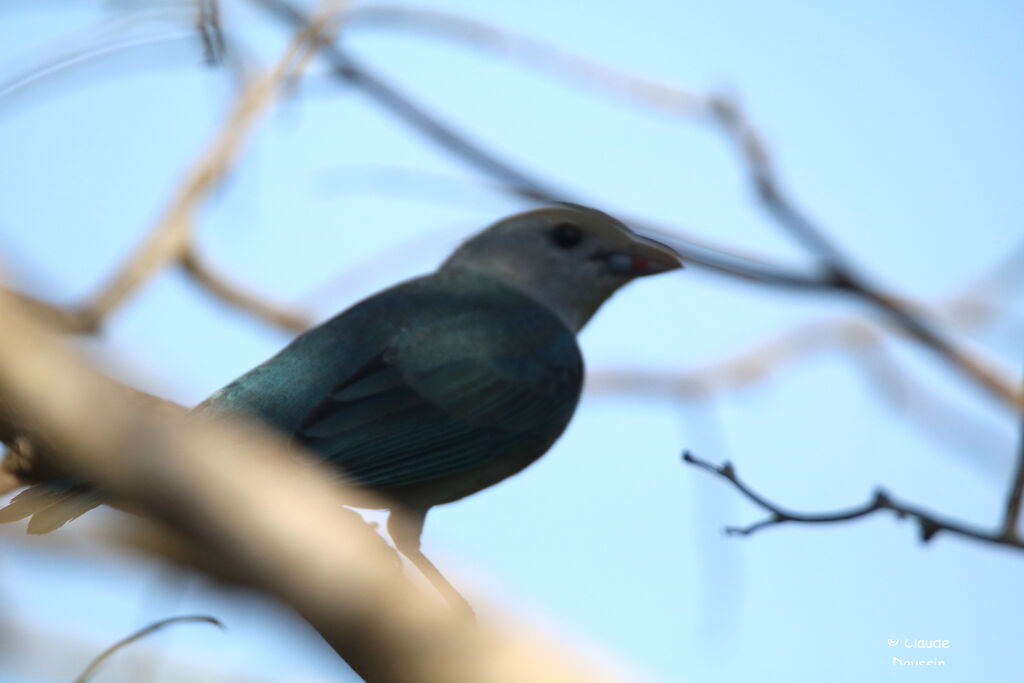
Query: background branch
{"x": 1013, "y": 501}
{"x": 836, "y": 270}
{"x": 170, "y": 241}
{"x": 929, "y": 523}
{"x": 231, "y": 294}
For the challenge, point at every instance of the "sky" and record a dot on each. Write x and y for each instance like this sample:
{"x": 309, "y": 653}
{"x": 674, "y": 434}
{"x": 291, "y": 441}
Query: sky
{"x": 896, "y": 125}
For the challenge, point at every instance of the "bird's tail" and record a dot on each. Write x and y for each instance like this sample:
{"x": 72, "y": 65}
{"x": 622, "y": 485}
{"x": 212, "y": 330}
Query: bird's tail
{"x": 50, "y": 505}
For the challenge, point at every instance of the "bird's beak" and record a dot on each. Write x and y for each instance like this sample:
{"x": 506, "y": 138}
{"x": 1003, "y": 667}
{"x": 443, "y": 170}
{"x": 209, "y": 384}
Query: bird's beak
{"x": 642, "y": 256}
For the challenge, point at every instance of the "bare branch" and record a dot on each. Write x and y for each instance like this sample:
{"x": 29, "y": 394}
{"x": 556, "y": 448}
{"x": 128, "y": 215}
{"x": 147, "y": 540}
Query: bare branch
{"x": 929, "y": 523}
{"x": 210, "y": 31}
{"x": 967, "y": 310}
{"x": 170, "y": 240}
{"x": 841, "y": 271}
{"x": 95, "y": 664}
{"x": 535, "y": 53}
{"x": 836, "y": 274}
{"x": 348, "y": 69}
{"x": 1013, "y": 501}
{"x": 214, "y": 283}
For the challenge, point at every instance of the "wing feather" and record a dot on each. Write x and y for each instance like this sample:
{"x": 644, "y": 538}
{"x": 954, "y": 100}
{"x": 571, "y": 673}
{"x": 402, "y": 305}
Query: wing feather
{"x": 448, "y": 397}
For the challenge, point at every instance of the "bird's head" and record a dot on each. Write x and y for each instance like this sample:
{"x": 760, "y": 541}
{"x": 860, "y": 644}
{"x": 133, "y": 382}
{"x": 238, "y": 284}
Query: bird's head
{"x": 570, "y": 258}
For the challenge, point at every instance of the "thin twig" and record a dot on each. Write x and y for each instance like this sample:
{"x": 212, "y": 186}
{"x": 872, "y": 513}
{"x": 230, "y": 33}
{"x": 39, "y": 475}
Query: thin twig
{"x": 210, "y": 280}
{"x": 1013, "y": 500}
{"x": 94, "y": 665}
{"x": 841, "y": 270}
{"x": 974, "y": 306}
{"x": 929, "y": 523}
{"x": 345, "y": 67}
{"x": 170, "y": 240}
{"x": 210, "y": 31}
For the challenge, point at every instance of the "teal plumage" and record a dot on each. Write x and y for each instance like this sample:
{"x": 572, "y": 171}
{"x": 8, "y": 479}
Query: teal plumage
{"x": 426, "y": 392}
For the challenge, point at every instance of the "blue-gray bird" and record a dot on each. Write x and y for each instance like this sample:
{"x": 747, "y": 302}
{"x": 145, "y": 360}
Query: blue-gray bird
{"x": 448, "y": 383}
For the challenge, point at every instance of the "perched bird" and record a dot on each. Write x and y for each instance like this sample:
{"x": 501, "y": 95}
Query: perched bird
{"x": 448, "y": 383}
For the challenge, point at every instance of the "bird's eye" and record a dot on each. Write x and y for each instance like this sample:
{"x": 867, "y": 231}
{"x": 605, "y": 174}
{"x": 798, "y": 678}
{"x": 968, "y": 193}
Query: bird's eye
{"x": 566, "y": 235}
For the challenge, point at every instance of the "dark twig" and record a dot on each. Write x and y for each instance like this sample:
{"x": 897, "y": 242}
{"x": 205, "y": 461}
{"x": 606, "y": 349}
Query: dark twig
{"x": 839, "y": 269}
{"x": 1013, "y": 501}
{"x": 345, "y": 67}
{"x": 836, "y": 271}
{"x": 929, "y": 524}
{"x": 210, "y": 32}
{"x": 94, "y": 665}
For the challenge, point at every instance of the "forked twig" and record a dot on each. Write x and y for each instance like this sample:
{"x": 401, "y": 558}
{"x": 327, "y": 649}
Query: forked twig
{"x": 1011, "y": 519}
{"x": 929, "y": 523}
{"x": 170, "y": 241}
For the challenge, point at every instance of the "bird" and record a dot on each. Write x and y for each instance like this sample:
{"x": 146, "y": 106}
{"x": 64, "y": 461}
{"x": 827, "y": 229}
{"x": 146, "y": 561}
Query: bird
{"x": 448, "y": 383}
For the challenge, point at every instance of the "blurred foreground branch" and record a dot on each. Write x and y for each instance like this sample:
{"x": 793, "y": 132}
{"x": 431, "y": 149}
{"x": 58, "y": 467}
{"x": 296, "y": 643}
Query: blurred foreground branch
{"x": 271, "y": 514}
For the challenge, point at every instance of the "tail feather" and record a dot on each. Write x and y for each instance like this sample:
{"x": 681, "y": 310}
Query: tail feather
{"x": 62, "y": 512}
{"x": 28, "y": 502}
{"x": 49, "y": 508}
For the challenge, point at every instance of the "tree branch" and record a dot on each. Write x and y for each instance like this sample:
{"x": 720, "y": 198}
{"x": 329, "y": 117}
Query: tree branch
{"x": 929, "y": 523}
{"x": 170, "y": 241}
{"x": 274, "y": 516}
{"x": 348, "y": 69}
{"x": 1013, "y": 501}
{"x": 836, "y": 272}
{"x": 214, "y": 283}
{"x": 210, "y": 31}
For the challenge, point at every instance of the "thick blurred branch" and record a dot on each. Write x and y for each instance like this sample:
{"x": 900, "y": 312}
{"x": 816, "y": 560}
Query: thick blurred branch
{"x": 929, "y": 523}
{"x": 214, "y": 283}
{"x": 273, "y": 515}
{"x": 170, "y": 241}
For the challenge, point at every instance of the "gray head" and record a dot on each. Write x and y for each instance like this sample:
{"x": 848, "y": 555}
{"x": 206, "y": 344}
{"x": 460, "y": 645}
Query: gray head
{"x": 570, "y": 258}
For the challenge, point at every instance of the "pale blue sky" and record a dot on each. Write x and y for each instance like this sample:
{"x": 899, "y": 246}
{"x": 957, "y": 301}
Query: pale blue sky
{"x": 895, "y": 124}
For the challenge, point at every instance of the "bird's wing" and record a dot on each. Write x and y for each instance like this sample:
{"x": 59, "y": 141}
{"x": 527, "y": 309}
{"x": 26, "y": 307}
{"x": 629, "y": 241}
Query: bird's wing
{"x": 448, "y": 396}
